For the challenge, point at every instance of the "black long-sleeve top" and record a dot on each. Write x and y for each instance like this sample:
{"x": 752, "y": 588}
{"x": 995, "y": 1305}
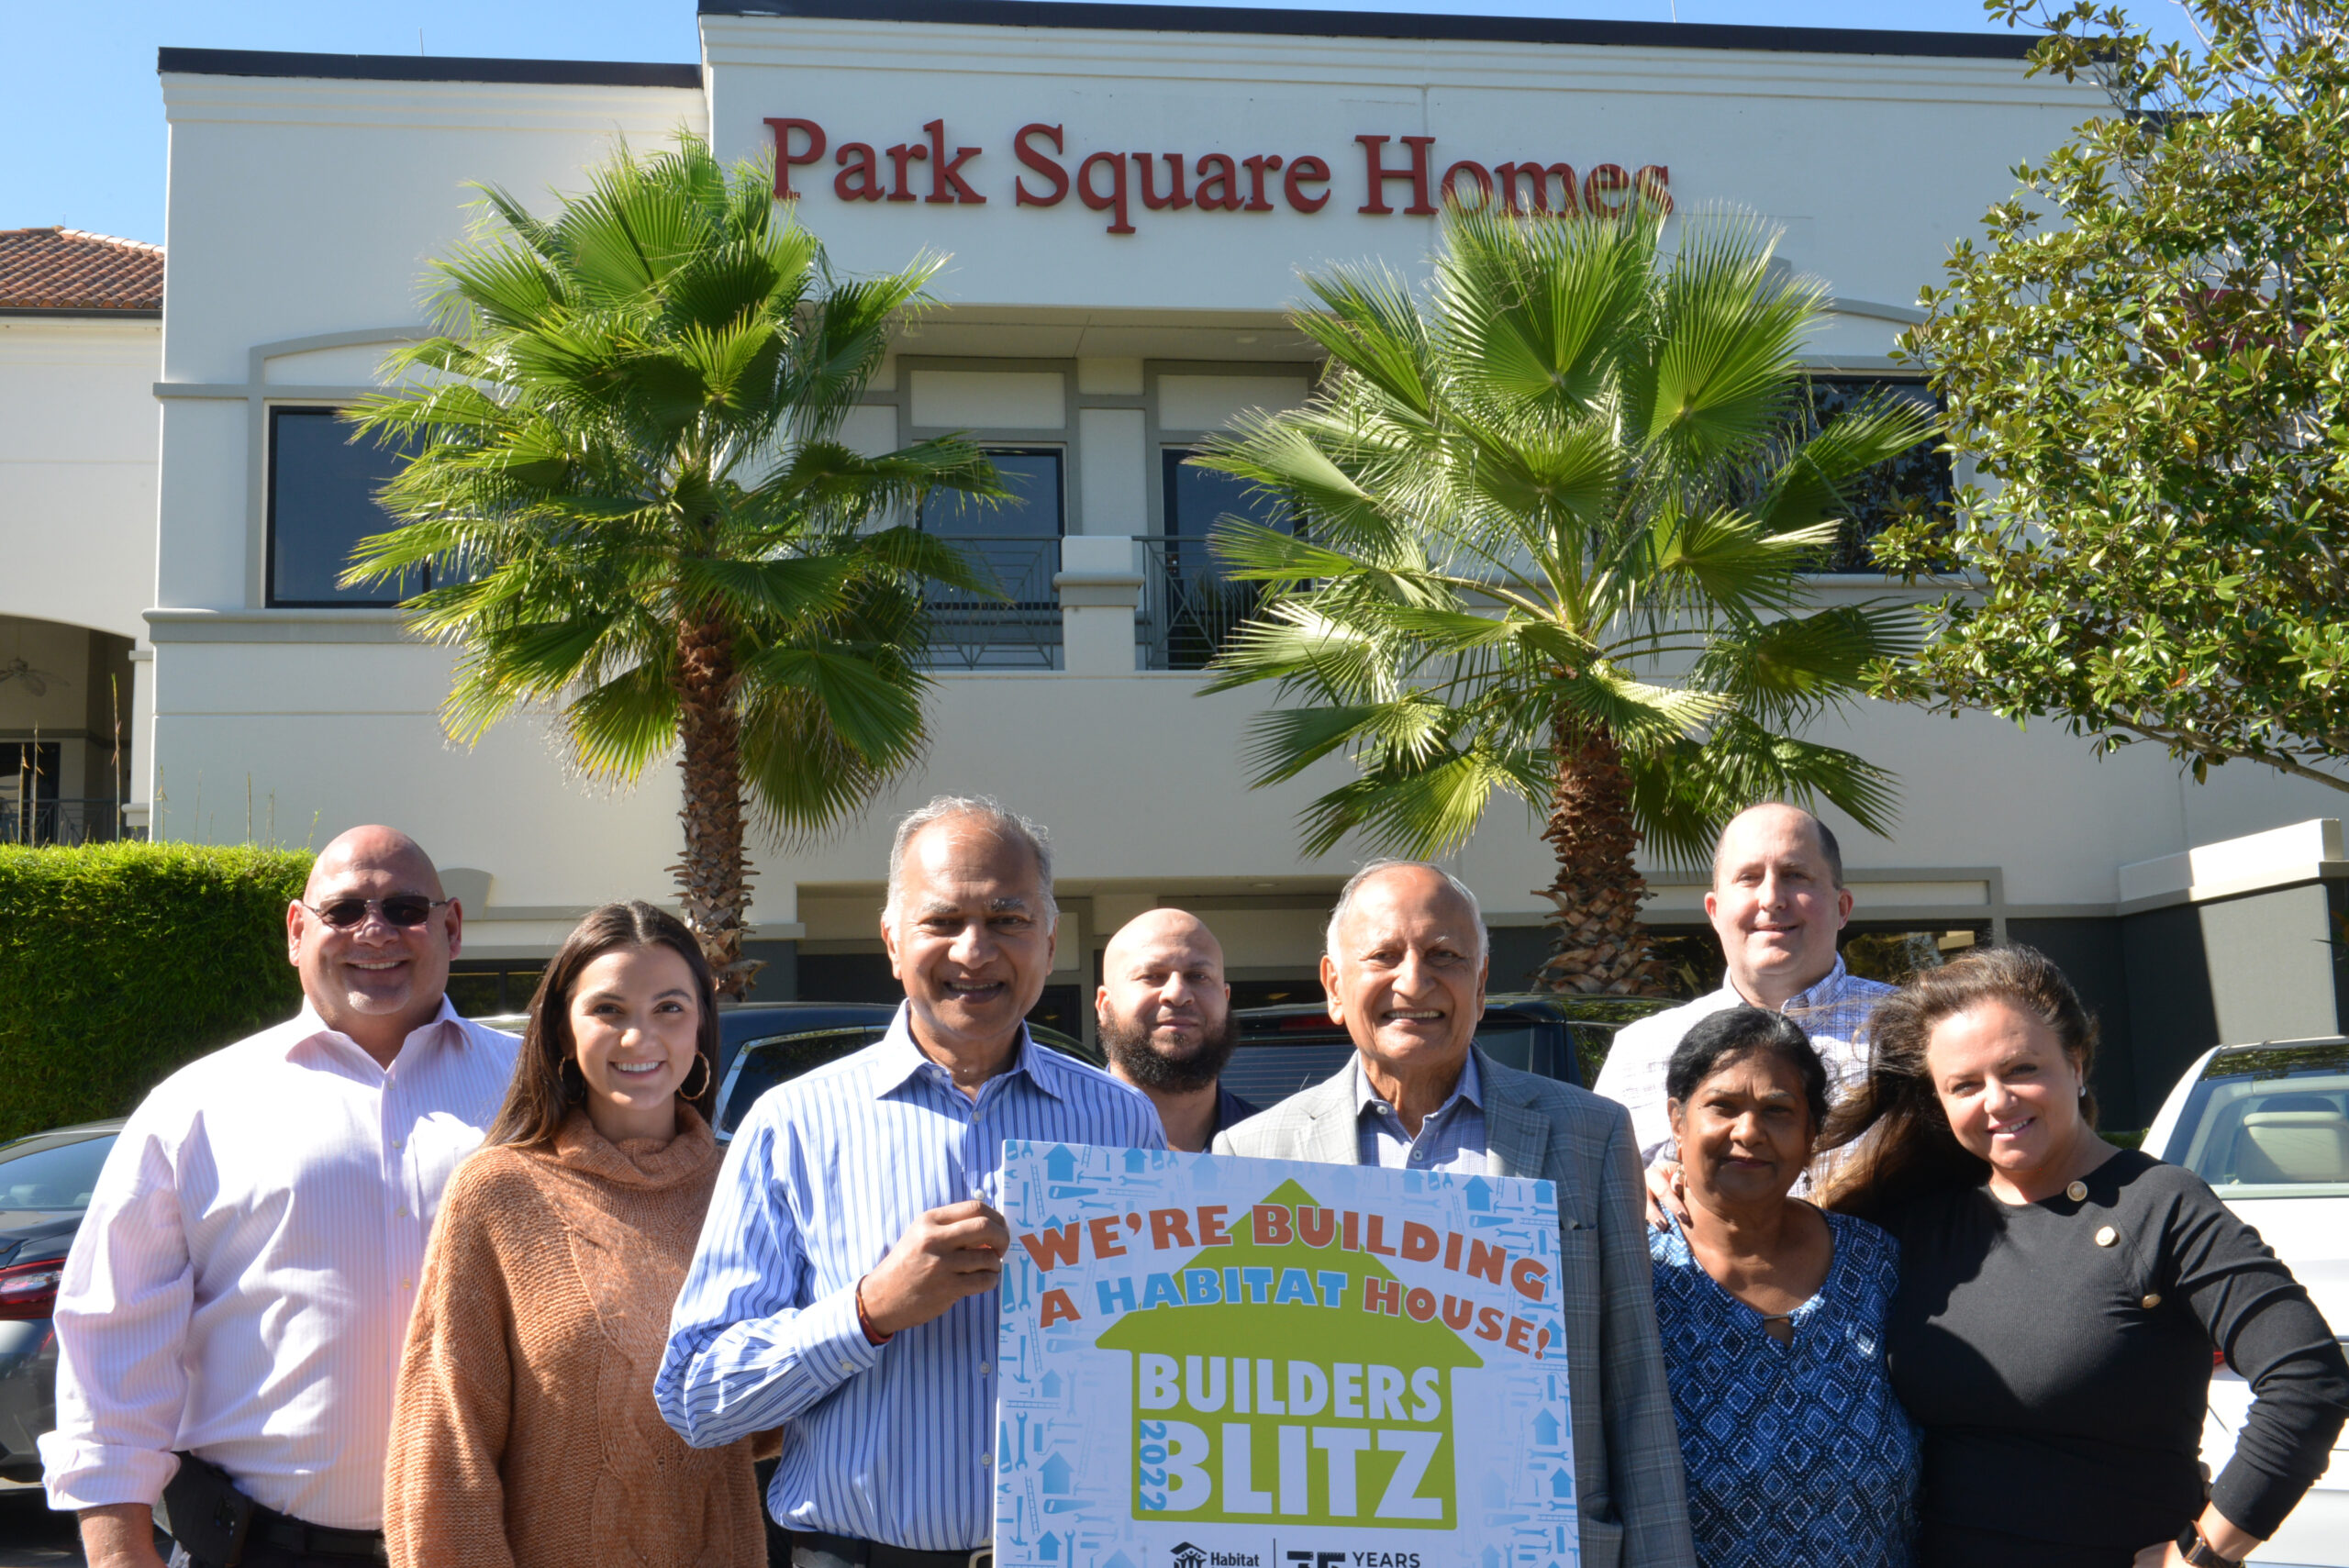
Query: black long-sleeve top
{"x": 2057, "y": 1355}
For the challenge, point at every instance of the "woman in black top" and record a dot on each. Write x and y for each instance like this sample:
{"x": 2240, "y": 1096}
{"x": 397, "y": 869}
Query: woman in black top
{"x": 2060, "y": 1297}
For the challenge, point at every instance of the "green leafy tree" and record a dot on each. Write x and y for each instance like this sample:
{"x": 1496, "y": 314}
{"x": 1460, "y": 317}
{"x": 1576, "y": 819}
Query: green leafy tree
{"x": 1551, "y": 531}
{"x": 627, "y": 477}
{"x": 2145, "y": 353}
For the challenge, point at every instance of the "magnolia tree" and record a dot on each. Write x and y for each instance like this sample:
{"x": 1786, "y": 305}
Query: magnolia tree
{"x": 2145, "y": 355}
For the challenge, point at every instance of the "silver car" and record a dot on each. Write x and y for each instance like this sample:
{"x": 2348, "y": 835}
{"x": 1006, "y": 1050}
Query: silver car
{"x": 2267, "y": 1126}
{"x": 45, "y": 1184}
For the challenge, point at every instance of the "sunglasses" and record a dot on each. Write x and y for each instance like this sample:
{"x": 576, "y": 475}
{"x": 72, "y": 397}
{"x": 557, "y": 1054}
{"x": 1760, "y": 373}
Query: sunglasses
{"x": 402, "y": 909}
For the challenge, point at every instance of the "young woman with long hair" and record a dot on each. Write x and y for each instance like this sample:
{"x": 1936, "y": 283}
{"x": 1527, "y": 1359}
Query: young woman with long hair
{"x": 2060, "y": 1298}
{"x": 524, "y": 1431}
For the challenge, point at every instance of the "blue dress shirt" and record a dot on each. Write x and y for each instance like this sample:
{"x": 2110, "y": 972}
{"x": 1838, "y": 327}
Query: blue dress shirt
{"x": 1451, "y": 1138}
{"x": 886, "y": 1443}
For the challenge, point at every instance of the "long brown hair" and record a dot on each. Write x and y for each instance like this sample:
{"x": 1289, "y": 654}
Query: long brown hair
{"x": 1905, "y": 1147}
{"x": 539, "y": 1100}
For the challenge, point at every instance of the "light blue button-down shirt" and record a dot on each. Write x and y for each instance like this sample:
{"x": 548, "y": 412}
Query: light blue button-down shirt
{"x": 1453, "y": 1138}
{"x": 882, "y": 1443}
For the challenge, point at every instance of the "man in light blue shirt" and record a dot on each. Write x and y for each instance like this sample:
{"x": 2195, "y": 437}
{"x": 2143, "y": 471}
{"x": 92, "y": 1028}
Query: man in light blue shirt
{"x": 844, "y": 1286}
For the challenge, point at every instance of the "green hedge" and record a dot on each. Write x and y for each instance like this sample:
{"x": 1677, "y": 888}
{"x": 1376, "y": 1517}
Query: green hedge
{"x": 119, "y": 962}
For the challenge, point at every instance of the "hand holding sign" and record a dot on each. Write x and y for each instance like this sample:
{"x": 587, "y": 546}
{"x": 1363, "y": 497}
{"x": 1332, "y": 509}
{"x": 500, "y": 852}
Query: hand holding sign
{"x": 943, "y": 1256}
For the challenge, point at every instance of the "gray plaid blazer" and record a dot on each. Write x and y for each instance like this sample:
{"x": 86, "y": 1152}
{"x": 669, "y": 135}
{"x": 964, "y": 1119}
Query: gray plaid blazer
{"x": 1627, "y": 1480}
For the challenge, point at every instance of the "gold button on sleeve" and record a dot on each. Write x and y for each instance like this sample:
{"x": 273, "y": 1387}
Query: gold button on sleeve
{"x": 2105, "y": 1236}
{"x": 2153, "y": 1300}
{"x": 2077, "y": 1192}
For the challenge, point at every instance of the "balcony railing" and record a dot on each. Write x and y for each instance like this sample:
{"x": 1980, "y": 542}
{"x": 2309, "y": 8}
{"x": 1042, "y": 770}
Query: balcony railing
{"x": 1189, "y": 608}
{"x": 62, "y": 822}
{"x": 1020, "y": 631}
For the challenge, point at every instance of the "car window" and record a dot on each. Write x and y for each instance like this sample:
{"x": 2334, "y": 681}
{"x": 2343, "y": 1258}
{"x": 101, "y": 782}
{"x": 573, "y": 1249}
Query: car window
{"x": 1265, "y": 1075}
{"x": 760, "y": 1064}
{"x": 37, "y": 1172}
{"x": 2271, "y": 1136}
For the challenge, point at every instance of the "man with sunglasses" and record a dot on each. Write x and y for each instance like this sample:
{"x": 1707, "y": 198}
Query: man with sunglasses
{"x": 230, "y": 1322}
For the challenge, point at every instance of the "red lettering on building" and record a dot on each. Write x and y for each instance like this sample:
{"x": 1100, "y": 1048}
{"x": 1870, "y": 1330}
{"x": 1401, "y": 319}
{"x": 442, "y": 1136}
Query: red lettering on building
{"x": 945, "y": 182}
{"x": 1602, "y": 187}
{"x": 1303, "y": 172}
{"x": 860, "y": 176}
{"x": 1020, "y": 194}
{"x": 1379, "y": 174}
{"x": 785, "y": 160}
{"x": 1112, "y": 200}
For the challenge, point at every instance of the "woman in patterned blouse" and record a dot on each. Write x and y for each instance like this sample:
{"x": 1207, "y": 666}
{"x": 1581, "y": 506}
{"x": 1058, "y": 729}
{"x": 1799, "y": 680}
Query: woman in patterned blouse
{"x": 1773, "y": 1317}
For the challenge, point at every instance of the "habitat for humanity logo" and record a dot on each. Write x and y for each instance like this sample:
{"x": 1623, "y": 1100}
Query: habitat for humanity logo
{"x": 1280, "y": 1378}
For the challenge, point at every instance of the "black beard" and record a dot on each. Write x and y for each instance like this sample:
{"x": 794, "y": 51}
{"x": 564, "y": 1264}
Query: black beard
{"x": 1142, "y": 1065}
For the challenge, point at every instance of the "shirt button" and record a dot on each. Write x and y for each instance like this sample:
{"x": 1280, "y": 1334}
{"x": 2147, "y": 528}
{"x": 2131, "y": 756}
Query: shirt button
{"x": 983, "y": 1369}
{"x": 1418, "y": 1154}
{"x": 2077, "y": 1192}
{"x": 407, "y": 1285}
{"x": 403, "y": 1213}
{"x": 2150, "y": 1301}
{"x": 2105, "y": 1236}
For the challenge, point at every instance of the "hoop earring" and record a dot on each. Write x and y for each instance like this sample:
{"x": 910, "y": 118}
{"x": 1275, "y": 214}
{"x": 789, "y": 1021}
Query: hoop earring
{"x": 573, "y": 1081}
{"x": 708, "y": 1073}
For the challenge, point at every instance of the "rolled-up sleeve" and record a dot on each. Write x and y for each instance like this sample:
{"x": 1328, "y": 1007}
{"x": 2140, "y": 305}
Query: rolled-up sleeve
{"x": 749, "y": 1348}
{"x": 122, "y": 1322}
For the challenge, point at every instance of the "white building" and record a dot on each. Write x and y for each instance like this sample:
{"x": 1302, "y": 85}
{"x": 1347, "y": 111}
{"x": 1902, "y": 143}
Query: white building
{"x": 1097, "y": 321}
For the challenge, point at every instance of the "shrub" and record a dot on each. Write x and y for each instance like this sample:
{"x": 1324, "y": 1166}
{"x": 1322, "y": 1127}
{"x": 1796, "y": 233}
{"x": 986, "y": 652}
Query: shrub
{"x": 119, "y": 962}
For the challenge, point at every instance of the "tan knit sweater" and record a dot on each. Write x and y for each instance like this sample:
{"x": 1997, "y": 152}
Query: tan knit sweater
{"x": 524, "y": 1433}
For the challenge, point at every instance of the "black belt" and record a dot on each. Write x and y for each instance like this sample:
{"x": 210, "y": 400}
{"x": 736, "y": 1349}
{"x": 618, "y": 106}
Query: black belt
{"x": 880, "y": 1553}
{"x": 299, "y": 1536}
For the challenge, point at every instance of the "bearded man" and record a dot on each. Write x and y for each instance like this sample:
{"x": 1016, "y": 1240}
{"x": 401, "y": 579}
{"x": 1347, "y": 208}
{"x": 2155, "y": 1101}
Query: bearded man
{"x": 1165, "y": 1017}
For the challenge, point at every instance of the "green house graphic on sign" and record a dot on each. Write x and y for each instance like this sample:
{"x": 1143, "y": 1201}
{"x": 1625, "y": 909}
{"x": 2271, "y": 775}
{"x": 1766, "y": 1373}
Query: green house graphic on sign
{"x": 1266, "y": 1393}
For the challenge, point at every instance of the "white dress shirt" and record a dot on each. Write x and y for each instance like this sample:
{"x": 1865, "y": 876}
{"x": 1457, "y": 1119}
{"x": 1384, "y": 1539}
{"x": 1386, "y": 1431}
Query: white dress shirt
{"x": 241, "y": 1285}
{"x": 1834, "y": 1012}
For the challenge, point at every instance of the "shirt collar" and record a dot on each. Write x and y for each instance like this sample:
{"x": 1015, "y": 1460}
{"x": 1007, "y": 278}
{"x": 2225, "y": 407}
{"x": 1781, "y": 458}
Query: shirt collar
{"x": 1470, "y": 1088}
{"x": 447, "y": 1027}
{"x": 1820, "y": 993}
{"x": 900, "y": 1058}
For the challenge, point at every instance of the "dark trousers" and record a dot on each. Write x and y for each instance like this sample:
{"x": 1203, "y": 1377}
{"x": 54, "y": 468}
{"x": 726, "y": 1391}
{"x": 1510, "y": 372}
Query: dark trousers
{"x": 261, "y": 1554}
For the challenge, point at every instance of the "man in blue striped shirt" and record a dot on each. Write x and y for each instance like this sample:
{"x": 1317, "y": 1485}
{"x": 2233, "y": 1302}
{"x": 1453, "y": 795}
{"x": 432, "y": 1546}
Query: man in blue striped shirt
{"x": 844, "y": 1286}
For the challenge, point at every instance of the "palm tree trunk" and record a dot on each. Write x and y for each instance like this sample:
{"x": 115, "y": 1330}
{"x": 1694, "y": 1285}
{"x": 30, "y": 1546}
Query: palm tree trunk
{"x": 1598, "y": 946}
{"x": 714, "y": 876}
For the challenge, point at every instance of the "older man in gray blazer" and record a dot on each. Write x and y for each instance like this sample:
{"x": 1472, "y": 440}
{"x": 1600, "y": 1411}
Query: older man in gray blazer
{"x": 1405, "y": 970}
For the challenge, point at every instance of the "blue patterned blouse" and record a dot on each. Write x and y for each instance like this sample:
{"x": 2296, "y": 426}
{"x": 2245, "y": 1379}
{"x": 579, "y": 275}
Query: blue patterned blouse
{"x": 1797, "y": 1453}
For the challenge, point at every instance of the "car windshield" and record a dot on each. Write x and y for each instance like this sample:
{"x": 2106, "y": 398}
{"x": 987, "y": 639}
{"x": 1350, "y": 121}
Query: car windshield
{"x": 763, "y": 1063}
{"x": 2270, "y": 1123}
{"x": 42, "y": 1172}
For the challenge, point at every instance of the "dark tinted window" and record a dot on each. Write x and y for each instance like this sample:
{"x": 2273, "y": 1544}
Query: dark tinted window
{"x": 1918, "y": 481}
{"x": 763, "y": 1063}
{"x": 321, "y": 504}
{"x": 40, "y": 1172}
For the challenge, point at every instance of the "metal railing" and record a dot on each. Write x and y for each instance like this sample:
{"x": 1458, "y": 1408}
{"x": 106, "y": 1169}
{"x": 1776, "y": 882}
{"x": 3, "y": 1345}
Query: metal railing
{"x": 62, "y": 822}
{"x": 1189, "y": 608}
{"x": 1022, "y": 629}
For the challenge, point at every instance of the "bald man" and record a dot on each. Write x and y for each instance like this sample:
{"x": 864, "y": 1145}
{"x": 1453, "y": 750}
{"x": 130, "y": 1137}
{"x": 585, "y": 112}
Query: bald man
{"x": 1165, "y": 1017}
{"x": 230, "y": 1320}
{"x": 1778, "y": 905}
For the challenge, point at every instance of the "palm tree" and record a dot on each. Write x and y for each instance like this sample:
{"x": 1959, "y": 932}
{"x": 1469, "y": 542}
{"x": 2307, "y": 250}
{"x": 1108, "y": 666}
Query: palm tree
{"x": 627, "y": 476}
{"x": 1551, "y": 527}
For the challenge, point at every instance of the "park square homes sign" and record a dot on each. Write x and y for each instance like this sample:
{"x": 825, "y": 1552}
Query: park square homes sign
{"x": 1043, "y": 165}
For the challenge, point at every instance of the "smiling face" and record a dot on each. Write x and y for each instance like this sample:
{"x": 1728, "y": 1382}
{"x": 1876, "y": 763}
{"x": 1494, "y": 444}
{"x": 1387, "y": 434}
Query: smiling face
{"x": 2012, "y": 1094}
{"x": 1164, "y": 1009}
{"x": 972, "y": 943}
{"x": 635, "y": 1018}
{"x": 1746, "y": 1134}
{"x": 1775, "y": 904}
{"x": 374, "y": 982}
{"x": 1408, "y": 978}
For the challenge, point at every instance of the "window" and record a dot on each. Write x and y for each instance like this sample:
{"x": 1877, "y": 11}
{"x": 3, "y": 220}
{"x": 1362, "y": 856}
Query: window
{"x": 1918, "y": 480}
{"x": 1192, "y": 606}
{"x": 322, "y": 490}
{"x": 1016, "y": 542}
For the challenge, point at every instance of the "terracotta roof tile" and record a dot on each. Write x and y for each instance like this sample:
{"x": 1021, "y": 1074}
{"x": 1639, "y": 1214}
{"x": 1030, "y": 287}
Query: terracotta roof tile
{"x": 64, "y": 269}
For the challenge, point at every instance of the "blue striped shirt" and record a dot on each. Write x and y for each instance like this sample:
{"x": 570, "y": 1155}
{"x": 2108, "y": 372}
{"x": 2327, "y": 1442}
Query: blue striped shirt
{"x": 882, "y": 1443}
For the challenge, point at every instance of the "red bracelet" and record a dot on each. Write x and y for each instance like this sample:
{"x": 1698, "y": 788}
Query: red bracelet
{"x": 864, "y": 1320}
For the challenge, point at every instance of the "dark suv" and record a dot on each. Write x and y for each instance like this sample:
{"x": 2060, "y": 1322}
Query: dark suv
{"x": 1283, "y": 1050}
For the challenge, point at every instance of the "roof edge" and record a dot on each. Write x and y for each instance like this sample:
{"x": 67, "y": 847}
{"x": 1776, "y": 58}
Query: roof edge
{"x": 425, "y": 68}
{"x": 1092, "y": 14}
{"x": 84, "y": 312}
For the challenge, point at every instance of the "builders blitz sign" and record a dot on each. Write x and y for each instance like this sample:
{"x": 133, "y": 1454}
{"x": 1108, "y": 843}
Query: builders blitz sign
{"x": 1392, "y": 173}
{"x": 1247, "y": 1364}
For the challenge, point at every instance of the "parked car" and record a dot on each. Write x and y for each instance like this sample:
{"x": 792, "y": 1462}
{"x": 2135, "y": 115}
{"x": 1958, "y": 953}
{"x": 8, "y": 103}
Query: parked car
{"x": 1284, "y": 1048}
{"x": 2267, "y": 1126}
{"x": 45, "y": 1185}
{"x": 761, "y": 1044}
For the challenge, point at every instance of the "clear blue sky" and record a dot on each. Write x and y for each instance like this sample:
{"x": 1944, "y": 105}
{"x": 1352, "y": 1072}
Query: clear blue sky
{"x": 80, "y": 103}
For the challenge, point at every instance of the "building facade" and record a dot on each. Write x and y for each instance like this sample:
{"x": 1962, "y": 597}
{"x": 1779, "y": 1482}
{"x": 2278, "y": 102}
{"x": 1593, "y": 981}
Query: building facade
{"x": 1126, "y": 196}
